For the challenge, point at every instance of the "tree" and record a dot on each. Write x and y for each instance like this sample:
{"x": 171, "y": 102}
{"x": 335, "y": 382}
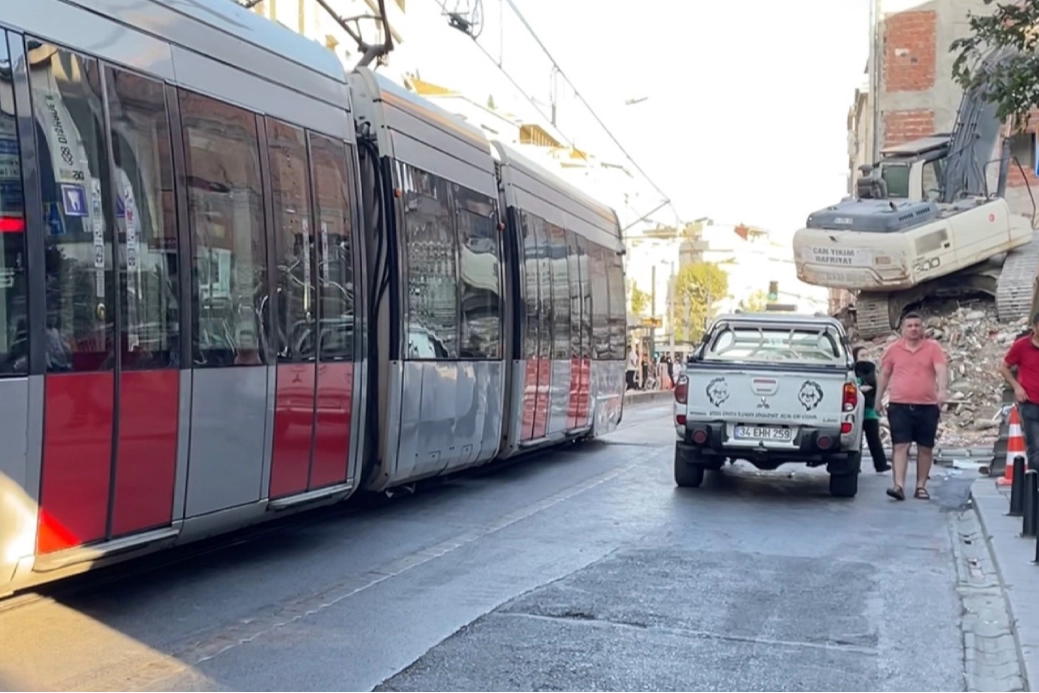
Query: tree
{"x": 639, "y": 300}
{"x": 756, "y": 302}
{"x": 697, "y": 287}
{"x": 1012, "y": 83}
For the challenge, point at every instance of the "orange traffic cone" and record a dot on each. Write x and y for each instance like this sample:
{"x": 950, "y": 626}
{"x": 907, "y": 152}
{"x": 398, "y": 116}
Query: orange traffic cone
{"x": 1015, "y": 447}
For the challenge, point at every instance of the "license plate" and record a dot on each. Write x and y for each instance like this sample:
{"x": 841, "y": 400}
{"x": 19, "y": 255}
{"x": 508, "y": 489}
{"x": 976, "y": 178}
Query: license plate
{"x": 764, "y": 433}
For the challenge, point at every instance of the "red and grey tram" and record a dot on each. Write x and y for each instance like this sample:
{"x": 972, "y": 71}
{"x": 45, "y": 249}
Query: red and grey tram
{"x": 237, "y": 281}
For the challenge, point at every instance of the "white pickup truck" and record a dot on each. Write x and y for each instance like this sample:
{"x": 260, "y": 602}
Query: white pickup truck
{"x": 770, "y": 388}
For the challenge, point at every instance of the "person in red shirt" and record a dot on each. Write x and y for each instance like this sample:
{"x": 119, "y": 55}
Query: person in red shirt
{"x": 914, "y": 371}
{"x": 1024, "y": 353}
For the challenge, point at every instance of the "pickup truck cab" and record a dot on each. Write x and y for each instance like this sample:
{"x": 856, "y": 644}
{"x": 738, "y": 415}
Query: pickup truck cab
{"x": 770, "y": 389}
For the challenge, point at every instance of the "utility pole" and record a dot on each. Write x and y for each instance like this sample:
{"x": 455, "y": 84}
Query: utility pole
{"x": 671, "y": 308}
{"x": 876, "y": 81}
{"x": 653, "y": 310}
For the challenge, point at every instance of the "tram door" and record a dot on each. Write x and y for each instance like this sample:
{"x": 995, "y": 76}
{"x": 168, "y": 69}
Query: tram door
{"x": 314, "y": 310}
{"x": 112, "y": 337}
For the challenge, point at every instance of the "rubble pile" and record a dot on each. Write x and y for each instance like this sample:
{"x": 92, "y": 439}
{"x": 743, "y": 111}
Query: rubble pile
{"x": 975, "y": 343}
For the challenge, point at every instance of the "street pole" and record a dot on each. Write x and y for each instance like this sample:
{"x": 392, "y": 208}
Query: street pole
{"x": 653, "y": 311}
{"x": 671, "y": 309}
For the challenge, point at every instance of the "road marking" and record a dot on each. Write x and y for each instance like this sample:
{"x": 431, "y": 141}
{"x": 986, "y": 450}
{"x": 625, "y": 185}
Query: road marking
{"x": 138, "y": 673}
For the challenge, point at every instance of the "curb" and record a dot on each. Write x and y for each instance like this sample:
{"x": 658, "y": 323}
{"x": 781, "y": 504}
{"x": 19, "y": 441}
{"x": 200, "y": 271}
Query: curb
{"x": 643, "y": 397}
{"x": 987, "y": 534}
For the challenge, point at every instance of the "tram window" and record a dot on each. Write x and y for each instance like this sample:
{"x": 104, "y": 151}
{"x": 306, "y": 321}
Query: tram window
{"x": 479, "y": 270}
{"x": 618, "y": 306}
{"x": 600, "y": 303}
{"x": 432, "y": 278}
{"x": 584, "y": 262}
{"x": 560, "y": 292}
{"x": 66, "y": 93}
{"x": 546, "y": 311}
{"x": 146, "y": 213}
{"x": 530, "y": 286}
{"x": 574, "y": 272}
{"x": 14, "y": 326}
{"x": 293, "y": 242}
{"x": 225, "y": 203}
{"x": 335, "y": 241}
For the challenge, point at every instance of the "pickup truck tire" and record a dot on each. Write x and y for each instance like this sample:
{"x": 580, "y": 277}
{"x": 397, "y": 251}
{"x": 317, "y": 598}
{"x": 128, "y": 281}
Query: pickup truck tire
{"x": 846, "y": 485}
{"x": 688, "y": 473}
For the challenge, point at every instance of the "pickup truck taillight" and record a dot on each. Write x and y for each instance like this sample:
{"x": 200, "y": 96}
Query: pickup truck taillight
{"x": 851, "y": 396}
{"x": 682, "y": 389}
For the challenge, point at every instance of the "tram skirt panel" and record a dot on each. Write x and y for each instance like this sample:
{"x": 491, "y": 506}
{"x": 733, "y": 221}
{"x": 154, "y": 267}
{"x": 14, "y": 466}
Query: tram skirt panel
{"x": 560, "y": 397}
{"x": 146, "y": 454}
{"x": 79, "y": 409}
{"x": 543, "y": 400}
{"x": 293, "y": 426}
{"x": 333, "y": 419}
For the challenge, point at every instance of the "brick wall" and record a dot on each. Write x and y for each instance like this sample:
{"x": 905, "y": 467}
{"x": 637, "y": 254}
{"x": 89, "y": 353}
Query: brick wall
{"x": 909, "y": 51}
{"x": 902, "y": 126}
{"x": 1014, "y": 177}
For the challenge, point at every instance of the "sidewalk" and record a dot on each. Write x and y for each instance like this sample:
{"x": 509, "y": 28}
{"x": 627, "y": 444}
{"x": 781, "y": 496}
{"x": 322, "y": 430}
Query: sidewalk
{"x": 1013, "y": 555}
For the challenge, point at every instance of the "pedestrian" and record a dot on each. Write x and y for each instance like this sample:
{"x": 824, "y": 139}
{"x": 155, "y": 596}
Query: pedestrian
{"x": 914, "y": 371}
{"x": 1024, "y": 354}
{"x": 633, "y": 363}
{"x": 866, "y": 373}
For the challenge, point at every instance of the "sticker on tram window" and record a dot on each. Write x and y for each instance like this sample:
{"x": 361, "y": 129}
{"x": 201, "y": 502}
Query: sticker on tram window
{"x": 55, "y": 224}
{"x": 75, "y": 199}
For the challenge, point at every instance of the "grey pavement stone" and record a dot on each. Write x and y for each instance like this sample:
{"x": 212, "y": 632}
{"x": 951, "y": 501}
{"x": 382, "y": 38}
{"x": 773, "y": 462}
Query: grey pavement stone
{"x": 1012, "y": 562}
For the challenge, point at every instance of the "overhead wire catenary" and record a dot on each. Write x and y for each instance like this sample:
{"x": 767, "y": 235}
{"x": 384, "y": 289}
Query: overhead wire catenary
{"x": 667, "y": 202}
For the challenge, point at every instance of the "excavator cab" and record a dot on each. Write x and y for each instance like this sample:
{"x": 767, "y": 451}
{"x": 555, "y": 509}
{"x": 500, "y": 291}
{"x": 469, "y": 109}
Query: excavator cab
{"x": 910, "y": 171}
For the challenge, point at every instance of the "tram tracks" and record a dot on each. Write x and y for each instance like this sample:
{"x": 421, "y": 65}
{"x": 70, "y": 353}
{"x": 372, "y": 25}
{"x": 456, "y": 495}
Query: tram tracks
{"x": 90, "y": 581}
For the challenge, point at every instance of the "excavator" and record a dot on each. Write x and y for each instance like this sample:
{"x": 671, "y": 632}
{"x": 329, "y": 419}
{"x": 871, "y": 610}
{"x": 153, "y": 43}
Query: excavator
{"x": 922, "y": 223}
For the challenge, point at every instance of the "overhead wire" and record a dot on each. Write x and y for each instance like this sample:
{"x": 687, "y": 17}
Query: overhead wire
{"x": 667, "y": 202}
{"x": 559, "y": 70}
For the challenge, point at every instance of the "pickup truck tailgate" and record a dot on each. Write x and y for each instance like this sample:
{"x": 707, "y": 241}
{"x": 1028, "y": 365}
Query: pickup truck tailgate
{"x": 797, "y": 398}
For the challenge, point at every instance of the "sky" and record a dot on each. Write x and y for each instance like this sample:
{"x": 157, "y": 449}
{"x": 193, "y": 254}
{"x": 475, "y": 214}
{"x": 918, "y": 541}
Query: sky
{"x": 743, "y": 105}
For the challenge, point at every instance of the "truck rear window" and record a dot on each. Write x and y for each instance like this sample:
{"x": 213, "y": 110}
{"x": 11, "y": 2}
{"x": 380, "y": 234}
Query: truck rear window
{"x": 772, "y": 344}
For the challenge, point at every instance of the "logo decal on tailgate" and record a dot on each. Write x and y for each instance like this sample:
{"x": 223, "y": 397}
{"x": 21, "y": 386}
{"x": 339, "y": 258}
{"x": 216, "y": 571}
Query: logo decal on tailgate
{"x": 811, "y": 395}
{"x": 717, "y": 391}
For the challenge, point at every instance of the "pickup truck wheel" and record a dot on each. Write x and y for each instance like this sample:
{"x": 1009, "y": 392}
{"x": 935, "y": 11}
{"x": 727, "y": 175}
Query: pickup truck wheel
{"x": 844, "y": 485}
{"x": 688, "y": 474}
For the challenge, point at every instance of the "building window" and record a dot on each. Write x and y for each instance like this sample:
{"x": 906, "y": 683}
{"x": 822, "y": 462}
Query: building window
{"x": 1022, "y": 148}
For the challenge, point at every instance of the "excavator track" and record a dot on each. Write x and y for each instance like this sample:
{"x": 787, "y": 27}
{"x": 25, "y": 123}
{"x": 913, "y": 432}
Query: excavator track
{"x": 1016, "y": 284}
{"x": 872, "y": 315}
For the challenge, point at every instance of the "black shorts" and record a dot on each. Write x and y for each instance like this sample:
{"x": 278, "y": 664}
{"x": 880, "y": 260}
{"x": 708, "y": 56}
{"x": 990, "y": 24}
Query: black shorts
{"x": 913, "y": 423}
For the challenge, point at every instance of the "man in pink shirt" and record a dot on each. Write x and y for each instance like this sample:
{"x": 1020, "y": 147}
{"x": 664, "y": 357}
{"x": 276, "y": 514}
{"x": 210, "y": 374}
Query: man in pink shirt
{"x": 914, "y": 371}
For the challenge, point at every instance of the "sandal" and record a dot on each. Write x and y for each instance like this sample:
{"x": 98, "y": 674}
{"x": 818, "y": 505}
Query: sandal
{"x": 922, "y": 494}
{"x": 897, "y": 493}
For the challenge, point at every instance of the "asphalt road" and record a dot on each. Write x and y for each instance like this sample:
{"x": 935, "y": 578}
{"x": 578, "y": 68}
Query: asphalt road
{"x": 584, "y": 569}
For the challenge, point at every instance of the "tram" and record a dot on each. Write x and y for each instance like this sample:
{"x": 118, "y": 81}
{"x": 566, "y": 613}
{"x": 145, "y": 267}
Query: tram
{"x": 237, "y": 281}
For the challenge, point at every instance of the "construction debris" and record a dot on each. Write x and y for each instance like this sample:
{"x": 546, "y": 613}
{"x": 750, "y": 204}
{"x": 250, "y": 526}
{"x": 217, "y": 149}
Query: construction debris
{"x": 975, "y": 343}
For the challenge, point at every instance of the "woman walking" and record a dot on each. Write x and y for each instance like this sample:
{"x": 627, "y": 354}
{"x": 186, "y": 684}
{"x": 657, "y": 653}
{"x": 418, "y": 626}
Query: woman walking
{"x": 866, "y": 373}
